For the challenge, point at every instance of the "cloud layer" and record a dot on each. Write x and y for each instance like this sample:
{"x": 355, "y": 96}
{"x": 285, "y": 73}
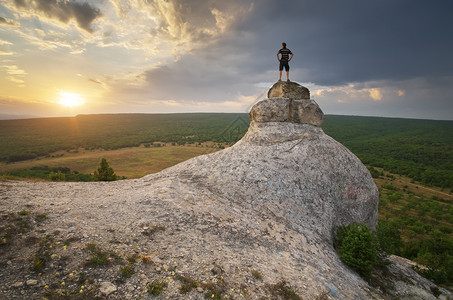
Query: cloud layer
{"x": 386, "y": 58}
{"x": 64, "y": 11}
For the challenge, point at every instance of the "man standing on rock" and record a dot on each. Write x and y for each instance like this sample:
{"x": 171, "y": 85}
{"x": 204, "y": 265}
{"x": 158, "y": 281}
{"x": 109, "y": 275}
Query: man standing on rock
{"x": 284, "y": 60}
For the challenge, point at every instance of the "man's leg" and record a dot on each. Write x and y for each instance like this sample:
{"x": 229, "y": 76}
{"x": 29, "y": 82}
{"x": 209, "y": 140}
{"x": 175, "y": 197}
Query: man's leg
{"x": 287, "y": 75}
{"x": 280, "y": 77}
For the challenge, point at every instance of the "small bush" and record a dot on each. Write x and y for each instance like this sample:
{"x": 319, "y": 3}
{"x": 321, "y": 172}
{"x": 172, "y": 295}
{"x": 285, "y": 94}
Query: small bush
{"x": 374, "y": 173}
{"x": 23, "y": 213}
{"x": 283, "y": 290}
{"x": 98, "y": 257}
{"x": 42, "y": 256}
{"x": 358, "y": 248}
{"x": 104, "y": 172}
{"x": 132, "y": 258}
{"x": 41, "y": 218}
{"x": 58, "y": 176}
{"x": 257, "y": 274}
{"x": 127, "y": 271}
{"x": 389, "y": 238}
{"x": 188, "y": 284}
{"x": 156, "y": 287}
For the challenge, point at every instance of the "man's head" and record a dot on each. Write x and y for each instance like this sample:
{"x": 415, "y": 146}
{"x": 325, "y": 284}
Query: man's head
{"x": 284, "y": 45}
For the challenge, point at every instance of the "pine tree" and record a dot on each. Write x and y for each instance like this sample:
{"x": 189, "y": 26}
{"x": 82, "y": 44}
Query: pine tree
{"x": 104, "y": 172}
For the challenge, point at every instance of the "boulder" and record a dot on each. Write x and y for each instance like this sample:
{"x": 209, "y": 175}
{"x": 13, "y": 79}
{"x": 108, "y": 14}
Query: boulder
{"x": 304, "y": 111}
{"x": 288, "y": 89}
{"x": 287, "y": 102}
{"x": 278, "y": 194}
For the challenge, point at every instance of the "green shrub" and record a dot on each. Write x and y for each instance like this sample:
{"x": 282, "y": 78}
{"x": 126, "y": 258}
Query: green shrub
{"x": 374, "y": 173}
{"x": 188, "y": 284}
{"x": 156, "y": 287}
{"x": 436, "y": 253}
{"x": 357, "y": 247}
{"x": 58, "y": 176}
{"x": 389, "y": 238}
{"x": 104, "y": 172}
{"x": 98, "y": 257}
{"x": 257, "y": 274}
{"x": 282, "y": 290}
{"x": 127, "y": 271}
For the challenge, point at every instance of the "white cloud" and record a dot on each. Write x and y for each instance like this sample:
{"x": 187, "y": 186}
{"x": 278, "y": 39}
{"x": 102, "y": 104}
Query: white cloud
{"x": 375, "y": 94}
{"x": 15, "y": 74}
{"x": 14, "y": 70}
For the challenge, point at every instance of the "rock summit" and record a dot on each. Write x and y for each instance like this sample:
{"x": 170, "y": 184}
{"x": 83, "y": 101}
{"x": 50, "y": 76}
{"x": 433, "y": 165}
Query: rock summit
{"x": 287, "y": 102}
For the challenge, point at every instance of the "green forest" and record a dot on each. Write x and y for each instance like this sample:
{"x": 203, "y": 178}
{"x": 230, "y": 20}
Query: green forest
{"x": 31, "y": 138}
{"x": 419, "y": 149}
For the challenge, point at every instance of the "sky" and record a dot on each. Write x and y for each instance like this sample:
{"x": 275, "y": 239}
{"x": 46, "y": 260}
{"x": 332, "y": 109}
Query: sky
{"x": 390, "y": 58}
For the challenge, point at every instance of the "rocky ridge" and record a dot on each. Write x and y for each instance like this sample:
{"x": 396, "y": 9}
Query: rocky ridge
{"x": 251, "y": 221}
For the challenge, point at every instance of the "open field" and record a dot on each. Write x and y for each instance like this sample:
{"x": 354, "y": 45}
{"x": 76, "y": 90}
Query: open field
{"x": 131, "y": 162}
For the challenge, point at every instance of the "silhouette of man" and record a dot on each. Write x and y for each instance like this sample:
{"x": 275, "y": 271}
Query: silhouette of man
{"x": 284, "y": 60}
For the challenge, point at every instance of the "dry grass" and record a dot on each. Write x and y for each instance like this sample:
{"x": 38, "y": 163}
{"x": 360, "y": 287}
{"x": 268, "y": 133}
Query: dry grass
{"x": 134, "y": 162}
{"x": 405, "y": 183}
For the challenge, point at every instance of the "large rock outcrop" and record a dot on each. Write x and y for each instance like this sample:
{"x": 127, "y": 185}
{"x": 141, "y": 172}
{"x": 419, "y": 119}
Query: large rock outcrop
{"x": 293, "y": 185}
{"x": 268, "y": 205}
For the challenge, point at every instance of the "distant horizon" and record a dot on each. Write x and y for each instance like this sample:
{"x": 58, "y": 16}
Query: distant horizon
{"x": 5, "y": 117}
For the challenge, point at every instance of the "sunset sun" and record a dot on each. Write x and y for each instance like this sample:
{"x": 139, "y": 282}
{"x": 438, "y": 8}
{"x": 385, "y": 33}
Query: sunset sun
{"x": 70, "y": 99}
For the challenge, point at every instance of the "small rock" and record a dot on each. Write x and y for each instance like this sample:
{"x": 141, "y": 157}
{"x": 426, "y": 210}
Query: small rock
{"x": 32, "y": 282}
{"x": 157, "y": 260}
{"x": 107, "y": 288}
{"x": 18, "y": 284}
{"x": 199, "y": 289}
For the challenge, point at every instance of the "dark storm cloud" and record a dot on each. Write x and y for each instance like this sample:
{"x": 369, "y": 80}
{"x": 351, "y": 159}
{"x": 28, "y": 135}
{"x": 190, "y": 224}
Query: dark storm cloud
{"x": 387, "y": 44}
{"x": 347, "y": 41}
{"x": 335, "y": 42}
{"x": 83, "y": 13}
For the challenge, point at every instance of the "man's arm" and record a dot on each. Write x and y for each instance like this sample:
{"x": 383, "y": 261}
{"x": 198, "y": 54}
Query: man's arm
{"x": 278, "y": 57}
{"x": 291, "y": 57}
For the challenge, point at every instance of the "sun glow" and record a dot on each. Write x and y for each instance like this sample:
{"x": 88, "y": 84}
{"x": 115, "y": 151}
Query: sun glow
{"x": 70, "y": 99}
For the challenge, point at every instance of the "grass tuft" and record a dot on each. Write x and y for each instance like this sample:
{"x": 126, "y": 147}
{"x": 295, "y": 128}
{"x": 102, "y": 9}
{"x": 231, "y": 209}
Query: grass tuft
{"x": 156, "y": 287}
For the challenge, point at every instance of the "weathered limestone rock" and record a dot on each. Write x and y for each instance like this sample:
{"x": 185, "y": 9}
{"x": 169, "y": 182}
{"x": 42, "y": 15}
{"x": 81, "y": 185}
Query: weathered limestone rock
{"x": 287, "y": 102}
{"x": 303, "y": 111}
{"x": 106, "y": 288}
{"x": 285, "y": 168}
{"x": 290, "y": 90}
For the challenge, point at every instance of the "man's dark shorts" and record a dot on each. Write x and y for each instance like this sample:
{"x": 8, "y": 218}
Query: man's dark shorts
{"x": 284, "y": 63}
